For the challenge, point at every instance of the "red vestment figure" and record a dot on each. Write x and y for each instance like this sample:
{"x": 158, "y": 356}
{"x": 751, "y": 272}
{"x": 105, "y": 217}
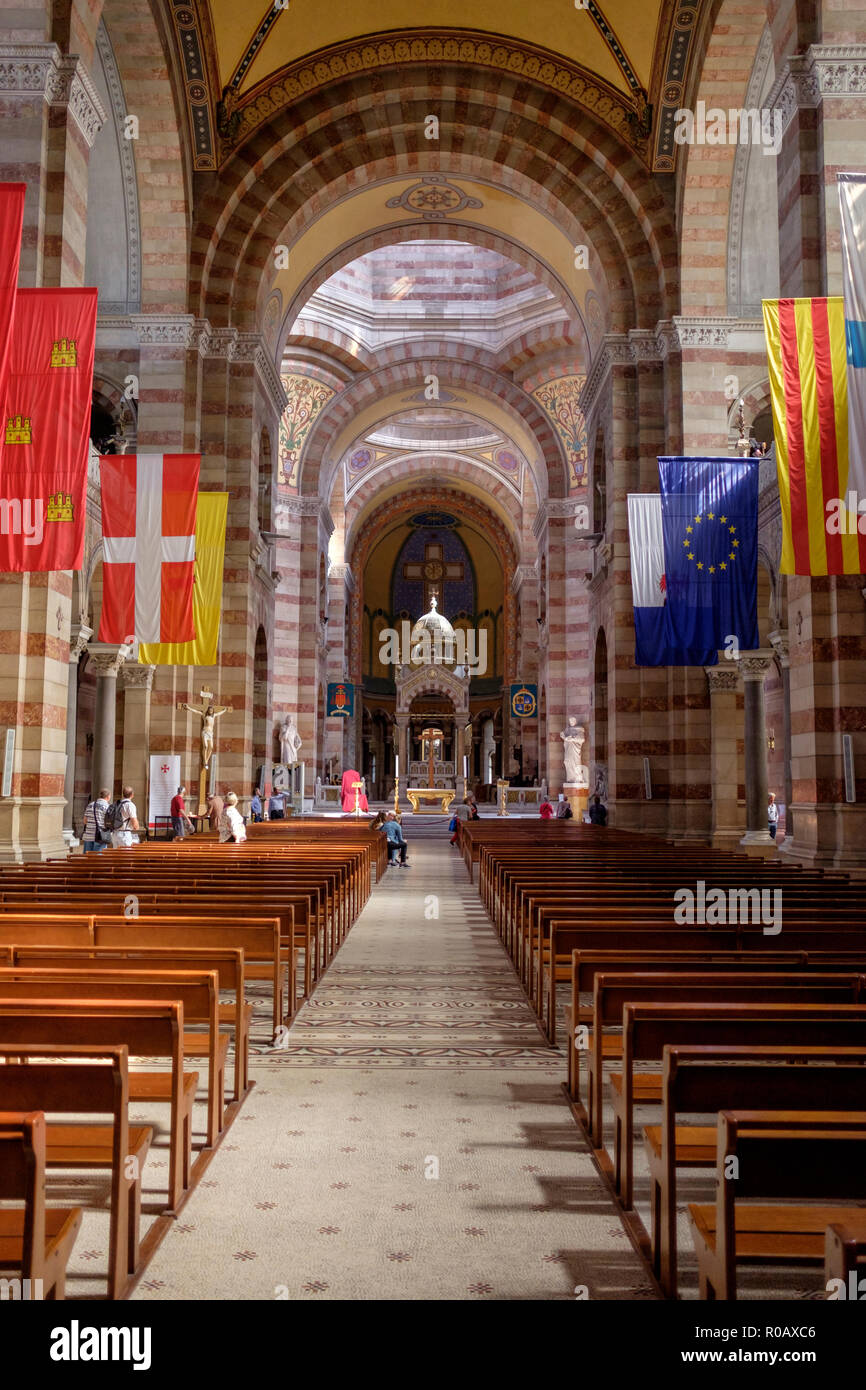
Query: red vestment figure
{"x": 347, "y": 791}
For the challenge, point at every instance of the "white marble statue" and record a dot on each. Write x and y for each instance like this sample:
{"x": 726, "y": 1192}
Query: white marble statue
{"x": 290, "y": 742}
{"x": 573, "y": 738}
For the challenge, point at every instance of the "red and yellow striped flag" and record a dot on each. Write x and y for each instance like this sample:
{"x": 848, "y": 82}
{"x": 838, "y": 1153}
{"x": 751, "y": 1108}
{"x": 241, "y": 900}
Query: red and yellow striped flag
{"x": 809, "y": 392}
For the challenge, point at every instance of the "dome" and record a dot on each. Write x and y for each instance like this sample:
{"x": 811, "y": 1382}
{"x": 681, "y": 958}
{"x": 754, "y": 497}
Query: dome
{"x": 434, "y": 629}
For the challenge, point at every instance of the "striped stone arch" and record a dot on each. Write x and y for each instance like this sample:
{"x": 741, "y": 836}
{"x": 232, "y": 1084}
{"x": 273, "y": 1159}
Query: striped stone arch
{"x": 455, "y": 229}
{"x": 421, "y": 498}
{"x": 722, "y": 79}
{"x": 756, "y": 398}
{"x": 417, "y": 470}
{"x": 324, "y": 338}
{"x": 330, "y": 142}
{"x": 153, "y": 90}
{"x": 317, "y": 474}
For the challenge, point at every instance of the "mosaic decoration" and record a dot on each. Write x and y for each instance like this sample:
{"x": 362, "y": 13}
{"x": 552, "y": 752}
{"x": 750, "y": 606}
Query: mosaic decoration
{"x": 420, "y": 397}
{"x": 594, "y": 315}
{"x": 360, "y": 458}
{"x": 433, "y": 559}
{"x": 306, "y": 399}
{"x": 192, "y": 44}
{"x": 559, "y": 400}
{"x": 620, "y": 112}
{"x": 432, "y": 519}
{"x": 507, "y": 459}
{"x": 434, "y": 197}
{"x": 680, "y": 44}
{"x": 271, "y": 319}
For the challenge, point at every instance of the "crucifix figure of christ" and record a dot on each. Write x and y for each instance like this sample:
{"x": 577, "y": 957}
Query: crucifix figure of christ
{"x": 433, "y": 570}
{"x": 208, "y": 714}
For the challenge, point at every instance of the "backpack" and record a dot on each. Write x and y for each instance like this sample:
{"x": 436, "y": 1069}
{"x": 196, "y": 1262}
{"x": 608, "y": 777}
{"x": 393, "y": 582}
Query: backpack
{"x": 113, "y": 819}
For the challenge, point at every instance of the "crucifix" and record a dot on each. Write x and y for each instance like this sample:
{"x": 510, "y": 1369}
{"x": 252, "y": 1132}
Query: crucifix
{"x": 433, "y": 739}
{"x": 208, "y": 714}
{"x": 433, "y": 570}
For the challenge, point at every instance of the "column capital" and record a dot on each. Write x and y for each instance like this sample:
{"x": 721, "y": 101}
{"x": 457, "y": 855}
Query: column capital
{"x": 755, "y": 665}
{"x": 135, "y": 677}
{"x": 722, "y": 678}
{"x": 79, "y": 636}
{"x": 781, "y": 645}
{"x": 108, "y": 657}
{"x": 29, "y": 70}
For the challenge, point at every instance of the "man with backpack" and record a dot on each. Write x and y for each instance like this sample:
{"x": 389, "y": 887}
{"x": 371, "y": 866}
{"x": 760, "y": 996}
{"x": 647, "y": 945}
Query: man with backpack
{"x": 122, "y": 819}
{"x": 96, "y": 836}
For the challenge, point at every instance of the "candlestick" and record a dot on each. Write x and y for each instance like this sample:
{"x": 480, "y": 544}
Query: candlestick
{"x": 465, "y": 768}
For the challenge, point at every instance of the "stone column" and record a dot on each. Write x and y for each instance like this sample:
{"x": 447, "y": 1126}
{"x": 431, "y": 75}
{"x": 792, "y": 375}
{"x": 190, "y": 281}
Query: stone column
{"x": 753, "y": 668}
{"x": 403, "y": 751}
{"x": 137, "y": 683}
{"x": 779, "y": 639}
{"x": 106, "y": 660}
{"x": 80, "y": 636}
{"x": 724, "y": 683}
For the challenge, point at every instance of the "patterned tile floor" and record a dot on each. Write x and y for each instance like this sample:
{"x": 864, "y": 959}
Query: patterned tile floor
{"x": 411, "y": 1141}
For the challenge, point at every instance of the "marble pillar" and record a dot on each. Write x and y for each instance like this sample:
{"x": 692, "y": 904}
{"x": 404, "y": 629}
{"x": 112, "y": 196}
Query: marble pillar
{"x": 79, "y": 637}
{"x": 724, "y": 683}
{"x": 137, "y": 683}
{"x": 779, "y": 639}
{"x": 753, "y": 669}
{"x": 106, "y": 659}
{"x": 403, "y": 751}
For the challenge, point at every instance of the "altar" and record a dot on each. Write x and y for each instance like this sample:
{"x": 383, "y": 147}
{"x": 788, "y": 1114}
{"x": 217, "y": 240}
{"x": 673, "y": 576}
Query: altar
{"x": 430, "y": 800}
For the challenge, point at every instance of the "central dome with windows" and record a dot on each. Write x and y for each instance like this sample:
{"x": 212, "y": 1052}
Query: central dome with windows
{"x": 433, "y": 639}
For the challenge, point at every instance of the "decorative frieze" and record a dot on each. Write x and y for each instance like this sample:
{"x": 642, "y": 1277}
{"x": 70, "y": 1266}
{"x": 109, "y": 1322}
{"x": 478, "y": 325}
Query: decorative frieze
{"x": 33, "y": 70}
{"x": 825, "y": 70}
{"x": 722, "y": 678}
{"x": 754, "y": 665}
{"x": 135, "y": 677}
{"x": 163, "y": 330}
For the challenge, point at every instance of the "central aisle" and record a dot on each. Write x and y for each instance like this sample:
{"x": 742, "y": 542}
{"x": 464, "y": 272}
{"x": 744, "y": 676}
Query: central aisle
{"x": 412, "y": 1141}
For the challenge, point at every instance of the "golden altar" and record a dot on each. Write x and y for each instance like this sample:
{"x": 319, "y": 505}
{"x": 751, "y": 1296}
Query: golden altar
{"x": 430, "y": 800}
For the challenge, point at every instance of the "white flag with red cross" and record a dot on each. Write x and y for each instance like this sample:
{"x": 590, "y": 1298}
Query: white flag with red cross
{"x": 164, "y": 782}
{"x": 148, "y": 536}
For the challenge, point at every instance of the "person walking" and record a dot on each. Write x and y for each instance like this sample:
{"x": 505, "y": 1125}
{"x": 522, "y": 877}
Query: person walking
{"x": 257, "y": 810}
{"x": 772, "y": 815}
{"x": 95, "y": 837}
{"x": 180, "y": 821}
{"x": 232, "y": 828}
{"x": 215, "y": 808}
{"x": 127, "y": 816}
{"x": 396, "y": 841}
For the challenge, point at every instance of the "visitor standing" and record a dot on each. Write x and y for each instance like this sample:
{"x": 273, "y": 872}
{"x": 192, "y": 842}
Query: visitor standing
{"x": 95, "y": 837}
{"x": 127, "y": 820}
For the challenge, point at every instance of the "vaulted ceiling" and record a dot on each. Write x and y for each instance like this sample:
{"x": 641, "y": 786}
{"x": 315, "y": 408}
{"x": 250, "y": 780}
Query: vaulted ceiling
{"x": 626, "y": 60}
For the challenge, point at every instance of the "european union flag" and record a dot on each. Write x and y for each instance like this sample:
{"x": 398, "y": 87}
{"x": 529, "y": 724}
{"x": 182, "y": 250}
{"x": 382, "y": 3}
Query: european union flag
{"x": 710, "y": 529}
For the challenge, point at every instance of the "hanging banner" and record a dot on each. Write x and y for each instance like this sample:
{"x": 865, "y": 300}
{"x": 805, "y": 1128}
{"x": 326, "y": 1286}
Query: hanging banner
{"x": 45, "y": 429}
{"x": 164, "y": 782}
{"x": 524, "y": 701}
{"x": 11, "y": 221}
{"x": 341, "y": 700}
{"x": 207, "y": 590}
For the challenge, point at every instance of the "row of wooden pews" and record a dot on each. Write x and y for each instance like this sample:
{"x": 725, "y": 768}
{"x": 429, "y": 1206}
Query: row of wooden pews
{"x": 699, "y": 984}
{"x": 149, "y": 953}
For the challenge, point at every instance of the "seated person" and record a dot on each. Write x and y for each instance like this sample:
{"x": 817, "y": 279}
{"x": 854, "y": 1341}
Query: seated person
{"x": 597, "y": 812}
{"x": 545, "y": 810}
{"x": 396, "y": 842}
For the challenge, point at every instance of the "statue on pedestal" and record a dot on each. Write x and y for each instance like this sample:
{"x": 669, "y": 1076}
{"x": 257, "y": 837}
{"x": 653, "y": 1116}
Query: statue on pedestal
{"x": 573, "y": 738}
{"x": 290, "y": 741}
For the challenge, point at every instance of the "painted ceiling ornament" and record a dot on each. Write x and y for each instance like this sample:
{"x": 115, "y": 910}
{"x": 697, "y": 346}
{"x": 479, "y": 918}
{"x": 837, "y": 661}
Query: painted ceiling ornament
{"x": 559, "y": 400}
{"x": 434, "y": 197}
{"x": 306, "y": 399}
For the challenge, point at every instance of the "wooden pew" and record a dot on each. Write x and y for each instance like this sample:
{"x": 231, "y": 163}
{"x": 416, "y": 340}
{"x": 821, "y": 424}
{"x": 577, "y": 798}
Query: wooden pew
{"x": 35, "y": 1241}
{"x": 93, "y": 1082}
{"x": 586, "y": 964}
{"x": 148, "y": 1028}
{"x": 227, "y": 963}
{"x": 714, "y": 984}
{"x": 802, "y": 1162}
{"x": 845, "y": 1261}
{"x": 706, "y": 1080}
{"x": 648, "y": 1028}
{"x": 197, "y": 993}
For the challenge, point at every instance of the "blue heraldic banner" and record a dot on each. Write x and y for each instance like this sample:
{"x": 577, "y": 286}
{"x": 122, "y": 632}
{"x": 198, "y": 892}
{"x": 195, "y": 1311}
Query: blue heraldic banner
{"x": 341, "y": 700}
{"x": 710, "y": 530}
{"x": 524, "y": 701}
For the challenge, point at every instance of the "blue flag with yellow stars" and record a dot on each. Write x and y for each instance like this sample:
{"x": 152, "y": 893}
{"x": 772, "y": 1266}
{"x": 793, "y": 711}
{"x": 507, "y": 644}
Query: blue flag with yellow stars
{"x": 710, "y": 530}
